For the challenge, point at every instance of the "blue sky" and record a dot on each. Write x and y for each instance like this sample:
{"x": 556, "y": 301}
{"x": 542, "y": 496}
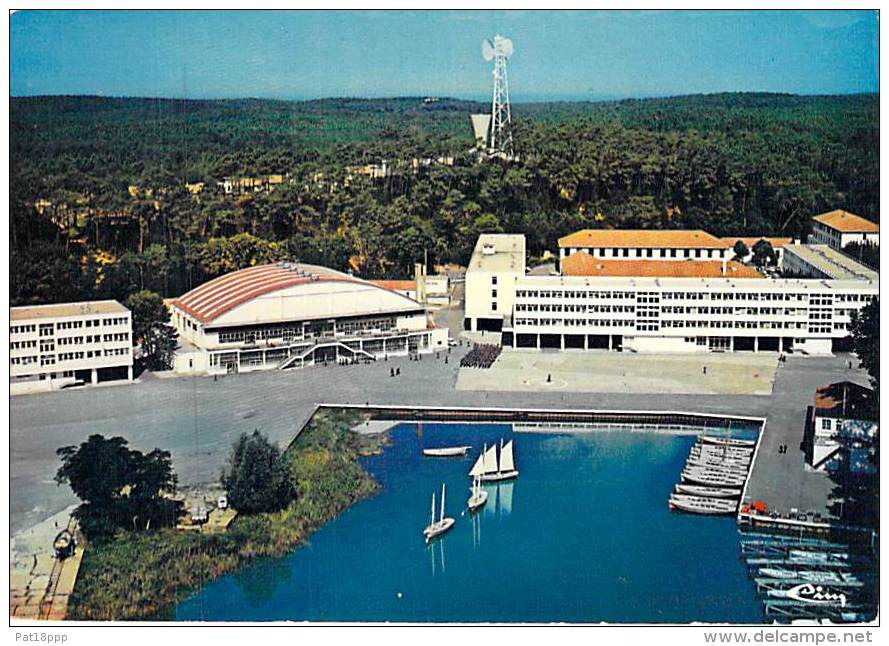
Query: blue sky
{"x": 572, "y": 54}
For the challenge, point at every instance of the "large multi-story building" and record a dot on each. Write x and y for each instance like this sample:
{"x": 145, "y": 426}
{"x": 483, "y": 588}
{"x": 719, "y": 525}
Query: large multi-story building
{"x": 839, "y": 228}
{"x": 54, "y": 346}
{"x": 290, "y": 315}
{"x": 675, "y": 301}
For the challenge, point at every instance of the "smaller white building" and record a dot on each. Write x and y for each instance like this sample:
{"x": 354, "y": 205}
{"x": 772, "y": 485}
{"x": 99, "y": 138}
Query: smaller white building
{"x": 497, "y": 262}
{"x": 838, "y": 228}
{"x": 54, "y": 346}
{"x": 843, "y": 418}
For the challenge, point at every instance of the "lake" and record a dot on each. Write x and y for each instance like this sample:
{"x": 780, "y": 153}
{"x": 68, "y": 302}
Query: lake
{"x": 583, "y": 535}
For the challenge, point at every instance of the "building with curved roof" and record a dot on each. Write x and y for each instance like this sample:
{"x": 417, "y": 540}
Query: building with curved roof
{"x": 287, "y": 315}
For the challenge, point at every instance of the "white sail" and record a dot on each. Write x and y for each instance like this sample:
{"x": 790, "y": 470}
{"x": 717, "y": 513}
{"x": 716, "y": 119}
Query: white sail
{"x": 506, "y": 459}
{"x": 442, "y": 501}
{"x": 490, "y": 460}
{"x": 433, "y": 509}
{"x": 479, "y": 467}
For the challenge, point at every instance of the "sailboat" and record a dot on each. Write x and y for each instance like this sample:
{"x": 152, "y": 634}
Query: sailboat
{"x": 443, "y": 524}
{"x": 488, "y": 469}
{"x": 478, "y": 497}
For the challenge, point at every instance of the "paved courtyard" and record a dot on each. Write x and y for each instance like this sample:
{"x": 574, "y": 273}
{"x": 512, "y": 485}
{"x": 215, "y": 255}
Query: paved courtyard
{"x": 604, "y": 372}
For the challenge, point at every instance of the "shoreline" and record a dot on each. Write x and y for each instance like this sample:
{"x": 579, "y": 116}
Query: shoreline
{"x": 142, "y": 576}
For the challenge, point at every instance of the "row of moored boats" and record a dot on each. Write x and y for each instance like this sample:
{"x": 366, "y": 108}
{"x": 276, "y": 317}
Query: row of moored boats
{"x": 489, "y": 467}
{"x": 714, "y": 475}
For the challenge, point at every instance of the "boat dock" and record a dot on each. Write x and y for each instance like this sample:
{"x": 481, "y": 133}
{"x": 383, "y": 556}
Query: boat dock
{"x": 810, "y": 578}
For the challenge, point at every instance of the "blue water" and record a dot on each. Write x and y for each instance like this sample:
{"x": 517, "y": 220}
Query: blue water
{"x": 583, "y": 535}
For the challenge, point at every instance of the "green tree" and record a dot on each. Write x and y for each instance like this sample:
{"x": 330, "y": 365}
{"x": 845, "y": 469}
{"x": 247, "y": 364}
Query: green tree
{"x": 764, "y": 254}
{"x": 120, "y": 488}
{"x": 257, "y": 478}
{"x": 152, "y": 331}
{"x": 741, "y": 250}
{"x": 865, "y": 333}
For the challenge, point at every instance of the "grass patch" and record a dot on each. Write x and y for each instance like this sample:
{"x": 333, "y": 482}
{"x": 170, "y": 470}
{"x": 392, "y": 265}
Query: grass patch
{"x": 141, "y": 575}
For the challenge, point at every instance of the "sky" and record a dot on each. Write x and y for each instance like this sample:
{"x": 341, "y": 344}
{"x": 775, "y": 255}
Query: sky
{"x": 566, "y": 55}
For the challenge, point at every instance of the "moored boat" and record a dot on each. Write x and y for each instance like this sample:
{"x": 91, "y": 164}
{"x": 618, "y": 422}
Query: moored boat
{"x": 443, "y": 524}
{"x": 702, "y": 505}
{"x": 446, "y": 451}
{"x": 478, "y": 497}
{"x": 708, "y": 492}
{"x": 712, "y": 478}
{"x": 728, "y": 467}
{"x": 727, "y": 441}
{"x": 489, "y": 469}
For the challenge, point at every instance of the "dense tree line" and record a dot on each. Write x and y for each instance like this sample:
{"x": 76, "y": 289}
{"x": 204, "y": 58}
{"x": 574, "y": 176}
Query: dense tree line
{"x": 734, "y": 164}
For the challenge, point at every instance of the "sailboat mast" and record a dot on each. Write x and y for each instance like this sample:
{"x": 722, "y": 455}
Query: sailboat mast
{"x": 433, "y": 506}
{"x": 442, "y": 501}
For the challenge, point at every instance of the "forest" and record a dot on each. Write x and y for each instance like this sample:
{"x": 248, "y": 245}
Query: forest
{"x": 110, "y": 196}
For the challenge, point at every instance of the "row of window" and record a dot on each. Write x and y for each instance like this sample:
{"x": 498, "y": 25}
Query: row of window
{"x": 652, "y": 324}
{"x": 21, "y": 345}
{"x": 652, "y": 297}
{"x": 649, "y": 252}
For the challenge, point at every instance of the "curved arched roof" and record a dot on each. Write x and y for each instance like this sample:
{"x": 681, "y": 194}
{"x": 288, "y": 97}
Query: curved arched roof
{"x": 211, "y": 300}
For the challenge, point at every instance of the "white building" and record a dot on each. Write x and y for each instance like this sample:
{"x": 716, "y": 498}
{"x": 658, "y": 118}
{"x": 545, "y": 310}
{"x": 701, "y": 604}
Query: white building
{"x": 497, "y": 262}
{"x": 655, "y": 305}
{"x": 679, "y": 244}
{"x": 53, "y": 346}
{"x": 289, "y": 315}
{"x": 839, "y": 228}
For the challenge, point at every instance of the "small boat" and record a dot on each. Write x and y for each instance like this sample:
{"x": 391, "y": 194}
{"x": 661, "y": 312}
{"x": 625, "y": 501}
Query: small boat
{"x": 702, "y": 505}
{"x": 443, "y": 524}
{"x": 727, "y": 441}
{"x": 708, "y": 492}
{"x": 729, "y": 467}
{"x": 489, "y": 469}
{"x": 446, "y": 451}
{"x": 710, "y": 478}
{"x": 722, "y": 451}
{"x": 478, "y": 497}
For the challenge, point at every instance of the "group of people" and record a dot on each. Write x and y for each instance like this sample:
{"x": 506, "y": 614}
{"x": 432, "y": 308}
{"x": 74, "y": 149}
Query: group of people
{"x": 482, "y": 355}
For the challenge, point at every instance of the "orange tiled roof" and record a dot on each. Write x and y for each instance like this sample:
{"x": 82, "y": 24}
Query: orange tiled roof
{"x": 644, "y": 238}
{"x": 752, "y": 240}
{"x": 847, "y": 222}
{"x": 583, "y": 264}
{"x": 398, "y": 285}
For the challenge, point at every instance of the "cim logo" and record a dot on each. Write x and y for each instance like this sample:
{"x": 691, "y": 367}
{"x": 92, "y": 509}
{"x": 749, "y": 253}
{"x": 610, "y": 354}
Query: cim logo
{"x": 810, "y": 593}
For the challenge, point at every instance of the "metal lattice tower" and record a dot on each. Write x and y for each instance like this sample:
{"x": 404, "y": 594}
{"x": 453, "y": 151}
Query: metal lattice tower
{"x": 500, "y": 135}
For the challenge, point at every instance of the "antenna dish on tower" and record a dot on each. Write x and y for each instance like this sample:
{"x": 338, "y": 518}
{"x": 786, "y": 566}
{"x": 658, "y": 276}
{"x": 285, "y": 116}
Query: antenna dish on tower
{"x": 487, "y": 50}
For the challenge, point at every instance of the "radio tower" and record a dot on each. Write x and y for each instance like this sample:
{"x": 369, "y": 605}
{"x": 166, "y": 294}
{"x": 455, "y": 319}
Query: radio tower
{"x": 500, "y": 136}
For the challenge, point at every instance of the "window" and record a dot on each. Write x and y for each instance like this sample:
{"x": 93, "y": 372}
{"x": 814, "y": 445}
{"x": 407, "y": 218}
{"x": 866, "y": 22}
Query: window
{"x": 826, "y": 424}
{"x": 493, "y": 280}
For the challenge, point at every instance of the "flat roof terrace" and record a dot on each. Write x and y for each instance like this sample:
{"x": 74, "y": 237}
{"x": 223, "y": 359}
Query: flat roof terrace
{"x": 63, "y": 310}
{"x": 499, "y": 252}
{"x": 832, "y": 263}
